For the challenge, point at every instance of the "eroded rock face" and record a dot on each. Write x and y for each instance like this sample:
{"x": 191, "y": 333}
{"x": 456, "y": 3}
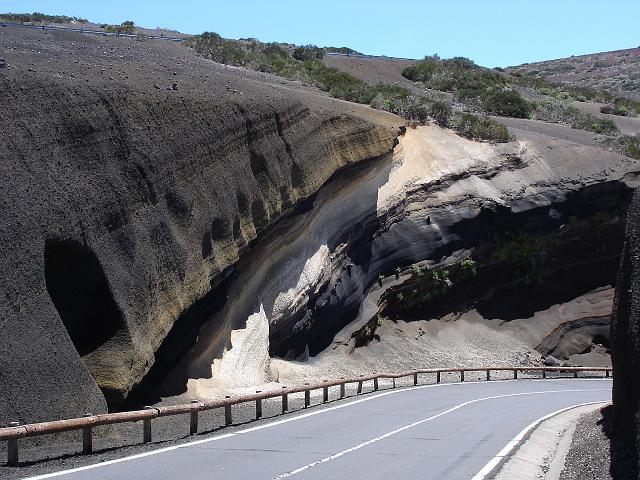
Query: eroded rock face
{"x": 625, "y": 336}
{"x": 121, "y": 209}
{"x": 436, "y": 198}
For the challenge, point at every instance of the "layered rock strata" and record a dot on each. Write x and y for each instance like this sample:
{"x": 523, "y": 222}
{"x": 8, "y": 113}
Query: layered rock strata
{"x": 438, "y": 197}
{"x": 121, "y": 209}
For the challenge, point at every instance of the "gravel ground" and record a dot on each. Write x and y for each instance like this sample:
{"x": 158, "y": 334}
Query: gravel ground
{"x": 595, "y": 453}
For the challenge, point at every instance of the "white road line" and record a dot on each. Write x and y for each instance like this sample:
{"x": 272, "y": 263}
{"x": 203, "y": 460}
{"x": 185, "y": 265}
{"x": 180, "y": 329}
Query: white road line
{"x": 292, "y": 419}
{"x": 493, "y": 463}
{"x": 419, "y": 422}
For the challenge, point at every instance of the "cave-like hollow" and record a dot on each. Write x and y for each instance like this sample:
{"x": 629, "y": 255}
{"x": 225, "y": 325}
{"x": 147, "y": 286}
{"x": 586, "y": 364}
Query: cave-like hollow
{"x": 80, "y": 292}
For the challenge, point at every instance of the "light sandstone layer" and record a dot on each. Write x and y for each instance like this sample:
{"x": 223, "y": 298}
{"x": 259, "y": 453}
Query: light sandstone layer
{"x": 314, "y": 282}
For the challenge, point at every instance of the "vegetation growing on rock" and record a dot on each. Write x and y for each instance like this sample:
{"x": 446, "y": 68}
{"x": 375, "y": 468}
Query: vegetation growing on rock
{"x": 480, "y": 128}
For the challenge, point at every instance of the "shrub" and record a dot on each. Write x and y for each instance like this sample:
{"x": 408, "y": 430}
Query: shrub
{"x": 586, "y": 121}
{"x": 614, "y": 110}
{"x": 628, "y": 145}
{"x": 125, "y": 27}
{"x": 417, "y": 113}
{"x": 37, "y": 17}
{"x": 474, "y": 127}
{"x": 507, "y": 103}
{"x": 342, "y": 50}
{"x": 441, "y": 112}
{"x": 620, "y": 110}
{"x": 308, "y": 52}
{"x": 458, "y": 75}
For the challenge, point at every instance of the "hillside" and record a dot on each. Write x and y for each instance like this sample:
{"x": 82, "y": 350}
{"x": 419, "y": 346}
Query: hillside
{"x": 617, "y": 72}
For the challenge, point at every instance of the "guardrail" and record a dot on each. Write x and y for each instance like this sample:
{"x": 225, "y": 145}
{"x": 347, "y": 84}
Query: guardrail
{"x": 89, "y": 421}
{"x": 363, "y": 55}
{"x": 91, "y": 32}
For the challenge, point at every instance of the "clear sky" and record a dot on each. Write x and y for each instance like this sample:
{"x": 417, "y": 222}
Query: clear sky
{"x": 491, "y": 32}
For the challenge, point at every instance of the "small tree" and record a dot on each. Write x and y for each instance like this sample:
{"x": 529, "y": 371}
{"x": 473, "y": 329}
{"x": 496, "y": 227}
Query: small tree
{"x": 441, "y": 113}
{"x": 308, "y": 52}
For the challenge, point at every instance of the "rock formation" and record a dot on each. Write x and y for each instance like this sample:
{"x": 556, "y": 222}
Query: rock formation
{"x": 160, "y": 240}
{"x": 122, "y": 207}
{"x": 625, "y": 337}
{"x": 438, "y": 197}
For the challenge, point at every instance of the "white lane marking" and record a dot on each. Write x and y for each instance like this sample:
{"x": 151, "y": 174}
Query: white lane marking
{"x": 488, "y": 468}
{"x": 419, "y": 422}
{"x": 300, "y": 417}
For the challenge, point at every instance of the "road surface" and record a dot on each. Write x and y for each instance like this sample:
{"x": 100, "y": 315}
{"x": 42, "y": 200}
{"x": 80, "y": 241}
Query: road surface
{"x": 448, "y": 431}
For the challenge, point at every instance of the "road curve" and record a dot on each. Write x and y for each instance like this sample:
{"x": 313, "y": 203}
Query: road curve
{"x": 448, "y": 431}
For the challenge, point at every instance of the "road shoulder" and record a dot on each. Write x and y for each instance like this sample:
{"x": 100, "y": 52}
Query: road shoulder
{"x": 543, "y": 451}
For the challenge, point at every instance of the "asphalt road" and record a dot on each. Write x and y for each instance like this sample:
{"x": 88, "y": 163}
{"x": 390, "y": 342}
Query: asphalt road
{"x": 449, "y": 431}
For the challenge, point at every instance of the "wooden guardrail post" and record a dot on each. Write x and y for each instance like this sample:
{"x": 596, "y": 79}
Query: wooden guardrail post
{"x": 360, "y": 386}
{"x": 515, "y": 373}
{"x": 87, "y": 437}
{"x": 544, "y": 373}
{"x": 12, "y": 448}
{"x": 146, "y": 427}
{"x": 488, "y": 375}
{"x": 285, "y": 401}
{"x": 325, "y": 393}
{"x": 193, "y": 423}
{"x": 342, "y": 388}
{"x": 575, "y": 374}
{"x": 228, "y": 416}
{"x": 607, "y": 373}
{"x": 375, "y": 384}
{"x": 258, "y": 406}
{"x": 438, "y": 376}
{"x": 462, "y": 375}
{"x": 307, "y": 397}
{"x": 394, "y": 382}
{"x": 415, "y": 378}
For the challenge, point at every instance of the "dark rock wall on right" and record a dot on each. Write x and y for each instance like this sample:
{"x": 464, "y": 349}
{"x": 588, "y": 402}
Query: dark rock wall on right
{"x": 625, "y": 336}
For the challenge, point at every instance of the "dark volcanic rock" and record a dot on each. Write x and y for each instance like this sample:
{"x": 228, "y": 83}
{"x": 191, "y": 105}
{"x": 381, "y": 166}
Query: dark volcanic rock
{"x": 625, "y": 336}
{"x": 123, "y": 205}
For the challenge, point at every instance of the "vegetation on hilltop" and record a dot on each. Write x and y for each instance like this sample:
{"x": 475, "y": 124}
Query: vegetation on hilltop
{"x": 563, "y": 91}
{"x": 305, "y": 64}
{"x": 125, "y": 27}
{"x": 37, "y": 17}
{"x": 342, "y": 50}
{"x": 617, "y": 73}
{"x": 470, "y": 83}
{"x": 308, "y": 52}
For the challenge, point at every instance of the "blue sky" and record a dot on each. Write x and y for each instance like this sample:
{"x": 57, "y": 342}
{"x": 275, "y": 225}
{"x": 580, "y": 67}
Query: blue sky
{"x": 491, "y": 32}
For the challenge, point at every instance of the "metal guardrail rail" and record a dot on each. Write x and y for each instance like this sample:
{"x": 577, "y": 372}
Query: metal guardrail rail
{"x": 86, "y": 423}
{"x": 89, "y": 31}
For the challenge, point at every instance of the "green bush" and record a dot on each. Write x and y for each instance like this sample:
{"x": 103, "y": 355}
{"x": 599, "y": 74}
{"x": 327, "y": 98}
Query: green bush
{"x": 441, "y": 113}
{"x": 603, "y": 126}
{"x": 474, "y": 127}
{"x": 342, "y": 50}
{"x": 507, "y": 103}
{"x": 37, "y": 17}
{"x": 628, "y": 145}
{"x": 457, "y": 75}
{"x": 125, "y": 27}
{"x": 417, "y": 112}
{"x": 308, "y": 52}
